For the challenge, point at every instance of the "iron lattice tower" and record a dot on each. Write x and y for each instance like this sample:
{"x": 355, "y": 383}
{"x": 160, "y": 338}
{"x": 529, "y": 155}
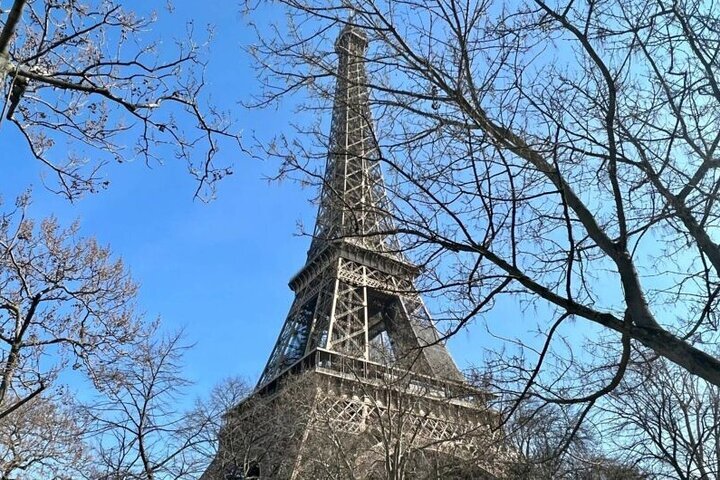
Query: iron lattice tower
{"x": 355, "y": 294}
{"x": 357, "y": 318}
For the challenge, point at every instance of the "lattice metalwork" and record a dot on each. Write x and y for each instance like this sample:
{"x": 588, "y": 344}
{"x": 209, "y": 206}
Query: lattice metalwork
{"x": 388, "y": 413}
{"x": 355, "y": 294}
{"x": 357, "y": 320}
{"x": 363, "y": 312}
{"x": 353, "y": 203}
{"x": 355, "y": 414}
{"x": 339, "y": 409}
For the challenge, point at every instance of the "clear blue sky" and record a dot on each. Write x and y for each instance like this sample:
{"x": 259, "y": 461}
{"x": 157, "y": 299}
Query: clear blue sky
{"x": 219, "y": 270}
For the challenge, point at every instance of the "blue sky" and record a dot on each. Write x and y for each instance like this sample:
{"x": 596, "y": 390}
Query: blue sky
{"x": 219, "y": 270}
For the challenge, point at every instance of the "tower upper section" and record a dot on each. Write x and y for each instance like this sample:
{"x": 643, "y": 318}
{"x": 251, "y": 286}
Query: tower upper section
{"x": 355, "y": 296}
{"x": 353, "y": 203}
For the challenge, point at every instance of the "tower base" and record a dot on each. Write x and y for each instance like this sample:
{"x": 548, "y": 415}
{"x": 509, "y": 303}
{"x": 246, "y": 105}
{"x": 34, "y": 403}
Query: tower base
{"x": 334, "y": 417}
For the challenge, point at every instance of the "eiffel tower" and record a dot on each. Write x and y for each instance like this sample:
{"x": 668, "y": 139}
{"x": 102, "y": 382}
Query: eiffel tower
{"x": 357, "y": 324}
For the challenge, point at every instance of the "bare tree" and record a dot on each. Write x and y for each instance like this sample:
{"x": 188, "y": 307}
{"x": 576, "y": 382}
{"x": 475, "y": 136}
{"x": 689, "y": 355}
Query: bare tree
{"x": 89, "y": 75}
{"x": 547, "y": 445}
{"x": 42, "y": 439}
{"x": 559, "y": 154}
{"x": 65, "y": 305}
{"x": 666, "y": 420}
{"x": 138, "y": 427}
{"x": 213, "y": 413}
